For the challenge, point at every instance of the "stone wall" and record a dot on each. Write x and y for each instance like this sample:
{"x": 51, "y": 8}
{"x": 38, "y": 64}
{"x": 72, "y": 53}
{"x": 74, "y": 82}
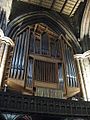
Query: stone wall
{"x": 6, "y": 5}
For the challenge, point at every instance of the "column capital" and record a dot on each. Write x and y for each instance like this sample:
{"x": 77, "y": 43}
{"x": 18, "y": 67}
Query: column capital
{"x": 78, "y": 56}
{"x": 86, "y": 54}
{"x": 7, "y": 40}
{"x": 82, "y": 56}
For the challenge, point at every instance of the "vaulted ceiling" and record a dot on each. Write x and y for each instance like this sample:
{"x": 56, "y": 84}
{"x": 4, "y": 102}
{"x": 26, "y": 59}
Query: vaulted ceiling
{"x": 70, "y": 10}
{"x": 67, "y": 7}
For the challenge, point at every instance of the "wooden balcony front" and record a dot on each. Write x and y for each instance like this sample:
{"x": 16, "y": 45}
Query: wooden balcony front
{"x": 42, "y": 89}
{"x": 13, "y": 102}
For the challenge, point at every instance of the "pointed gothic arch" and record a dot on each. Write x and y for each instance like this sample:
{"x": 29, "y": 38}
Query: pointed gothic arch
{"x": 53, "y": 21}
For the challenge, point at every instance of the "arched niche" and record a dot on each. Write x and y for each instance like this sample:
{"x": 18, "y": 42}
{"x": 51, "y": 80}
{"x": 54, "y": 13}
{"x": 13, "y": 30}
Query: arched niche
{"x": 53, "y": 21}
{"x": 59, "y": 27}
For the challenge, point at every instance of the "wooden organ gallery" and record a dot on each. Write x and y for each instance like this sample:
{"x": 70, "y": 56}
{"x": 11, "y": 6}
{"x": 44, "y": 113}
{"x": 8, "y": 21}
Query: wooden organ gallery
{"x": 43, "y": 64}
{"x": 45, "y": 71}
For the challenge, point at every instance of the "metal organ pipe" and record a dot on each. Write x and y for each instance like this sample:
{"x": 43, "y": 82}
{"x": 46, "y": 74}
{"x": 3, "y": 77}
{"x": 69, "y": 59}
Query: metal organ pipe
{"x": 14, "y": 58}
{"x": 71, "y": 69}
{"x": 17, "y": 57}
{"x": 74, "y": 72}
{"x": 20, "y": 64}
{"x": 26, "y": 55}
{"x": 71, "y": 73}
{"x": 22, "y": 57}
{"x": 70, "y": 66}
{"x": 67, "y": 63}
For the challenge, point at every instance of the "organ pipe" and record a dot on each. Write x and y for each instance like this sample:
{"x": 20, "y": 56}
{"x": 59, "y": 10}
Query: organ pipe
{"x": 20, "y": 54}
{"x": 28, "y": 68}
{"x": 26, "y": 55}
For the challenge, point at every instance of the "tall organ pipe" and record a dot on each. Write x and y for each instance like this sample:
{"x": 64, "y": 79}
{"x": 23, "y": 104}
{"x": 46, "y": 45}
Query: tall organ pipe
{"x": 20, "y": 54}
{"x": 26, "y": 55}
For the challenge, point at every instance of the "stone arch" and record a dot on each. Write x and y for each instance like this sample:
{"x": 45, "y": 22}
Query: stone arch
{"x": 54, "y": 22}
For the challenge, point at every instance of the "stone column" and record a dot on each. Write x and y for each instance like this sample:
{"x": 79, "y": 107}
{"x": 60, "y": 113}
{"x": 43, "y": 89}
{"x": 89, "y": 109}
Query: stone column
{"x": 1, "y": 46}
{"x": 6, "y": 5}
{"x": 86, "y": 72}
{"x": 78, "y": 58}
{"x": 85, "y": 44}
{"x": 5, "y": 41}
{"x": 3, "y": 62}
{"x": 83, "y": 61}
{"x": 1, "y": 52}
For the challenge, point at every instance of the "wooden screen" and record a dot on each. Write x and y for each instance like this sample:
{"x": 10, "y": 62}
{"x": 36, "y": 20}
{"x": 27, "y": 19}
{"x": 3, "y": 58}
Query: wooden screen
{"x": 44, "y": 43}
{"x": 29, "y": 75}
{"x": 32, "y": 43}
{"x": 39, "y": 59}
{"x": 44, "y": 71}
{"x": 37, "y": 46}
{"x": 60, "y": 76}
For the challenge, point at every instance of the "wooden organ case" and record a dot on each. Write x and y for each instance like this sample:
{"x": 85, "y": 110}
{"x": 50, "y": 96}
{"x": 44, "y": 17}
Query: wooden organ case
{"x": 43, "y": 64}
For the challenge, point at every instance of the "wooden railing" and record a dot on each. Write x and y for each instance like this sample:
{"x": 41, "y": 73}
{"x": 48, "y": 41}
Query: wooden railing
{"x": 18, "y": 103}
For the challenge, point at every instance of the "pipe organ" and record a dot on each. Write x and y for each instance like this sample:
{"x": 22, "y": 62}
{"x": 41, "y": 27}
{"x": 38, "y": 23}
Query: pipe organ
{"x": 70, "y": 67}
{"x": 40, "y": 66}
{"x": 20, "y": 56}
